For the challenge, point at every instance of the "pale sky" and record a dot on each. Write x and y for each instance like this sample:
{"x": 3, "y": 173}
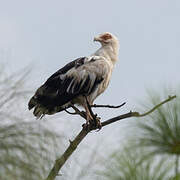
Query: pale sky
{"x": 48, "y": 34}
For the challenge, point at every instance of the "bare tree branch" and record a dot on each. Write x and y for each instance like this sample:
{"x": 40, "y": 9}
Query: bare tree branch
{"x": 107, "y": 106}
{"x": 72, "y": 113}
{"x": 82, "y": 134}
{"x": 157, "y": 106}
{"x": 77, "y": 111}
{"x": 82, "y": 113}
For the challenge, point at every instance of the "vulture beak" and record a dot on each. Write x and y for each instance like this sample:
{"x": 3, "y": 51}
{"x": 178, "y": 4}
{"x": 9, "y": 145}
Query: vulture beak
{"x": 97, "y": 39}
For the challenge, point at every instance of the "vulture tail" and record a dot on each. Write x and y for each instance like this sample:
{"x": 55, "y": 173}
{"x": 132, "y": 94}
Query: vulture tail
{"x": 32, "y": 103}
{"x": 39, "y": 110}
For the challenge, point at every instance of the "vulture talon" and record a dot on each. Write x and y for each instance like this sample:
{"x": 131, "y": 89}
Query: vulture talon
{"x": 86, "y": 126}
{"x": 98, "y": 124}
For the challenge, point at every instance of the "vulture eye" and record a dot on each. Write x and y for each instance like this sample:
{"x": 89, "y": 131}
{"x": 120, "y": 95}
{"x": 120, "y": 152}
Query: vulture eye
{"x": 106, "y": 36}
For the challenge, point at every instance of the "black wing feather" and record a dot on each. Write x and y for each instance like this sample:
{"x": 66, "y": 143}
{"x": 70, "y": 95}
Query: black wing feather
{"x": 55, "y": 78}
{"x": 49, "y": 94}
{"x": 54, "y": 93}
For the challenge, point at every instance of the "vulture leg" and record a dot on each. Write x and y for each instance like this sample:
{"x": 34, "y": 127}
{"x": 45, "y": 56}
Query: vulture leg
{"x": 92, "y": 121}
{"x": 89, "y": 118}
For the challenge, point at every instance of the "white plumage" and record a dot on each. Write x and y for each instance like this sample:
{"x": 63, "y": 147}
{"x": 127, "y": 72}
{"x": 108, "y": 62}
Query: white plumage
{"x": 85, "y": 76}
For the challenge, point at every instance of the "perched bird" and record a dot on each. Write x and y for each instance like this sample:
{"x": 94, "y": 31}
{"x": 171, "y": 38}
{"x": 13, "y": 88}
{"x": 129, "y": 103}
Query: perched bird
{"x": 78, "y": 82}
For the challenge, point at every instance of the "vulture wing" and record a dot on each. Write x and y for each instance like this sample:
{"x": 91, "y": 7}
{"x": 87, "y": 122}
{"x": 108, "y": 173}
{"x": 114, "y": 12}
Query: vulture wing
{"x": 79, "y": 77}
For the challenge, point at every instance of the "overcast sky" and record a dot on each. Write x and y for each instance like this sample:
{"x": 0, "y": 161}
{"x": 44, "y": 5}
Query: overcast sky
{"x": 48, "y": 34}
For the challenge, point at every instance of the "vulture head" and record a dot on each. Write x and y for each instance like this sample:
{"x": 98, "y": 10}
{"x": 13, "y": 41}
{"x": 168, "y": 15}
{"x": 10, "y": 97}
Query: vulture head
{"x": 106, "y": 39}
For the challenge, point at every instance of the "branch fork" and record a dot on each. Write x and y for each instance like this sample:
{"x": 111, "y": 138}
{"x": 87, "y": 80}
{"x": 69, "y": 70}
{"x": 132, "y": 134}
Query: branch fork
{"x": 82, "y": 134}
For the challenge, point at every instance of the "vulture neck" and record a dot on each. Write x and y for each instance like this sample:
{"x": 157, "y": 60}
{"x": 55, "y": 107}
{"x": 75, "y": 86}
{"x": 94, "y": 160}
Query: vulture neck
{"x": 109, "y": 51}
